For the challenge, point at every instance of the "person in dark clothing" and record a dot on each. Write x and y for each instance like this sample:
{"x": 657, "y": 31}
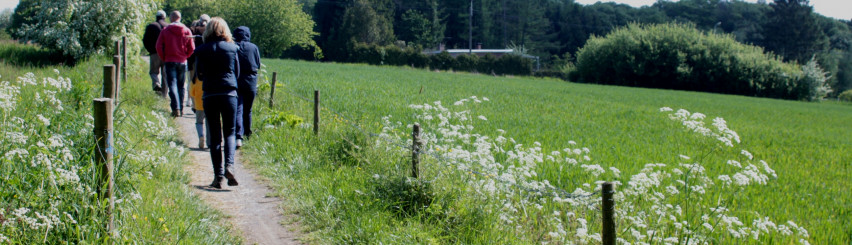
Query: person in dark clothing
{"x": 218, "y": 68}
{"x": 249, "y": 56}
{"x": 149, "y": 39}
{"x": 197, "y": 29}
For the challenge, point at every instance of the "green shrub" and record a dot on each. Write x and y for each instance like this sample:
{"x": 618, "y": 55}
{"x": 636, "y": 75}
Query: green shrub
{"x": 405, "y": 196}
{"x": 466, "y": 62}
{"x": 845, "y": 96}
{"x": 513, "y": 65}
{"x": 441, "y": 61}
{"x": 679, "y": 56}
{"x": 281, "y": 118}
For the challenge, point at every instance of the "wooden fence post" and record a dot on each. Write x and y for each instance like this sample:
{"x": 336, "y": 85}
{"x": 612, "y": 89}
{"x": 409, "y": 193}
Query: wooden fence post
{"x": 316, "y": 111}
{"x": 109, "y": 82}
{"x": 123, "y": 58}
{"x": 608, "y": 210}
{"x": 415, "y": 149}
{"x": 117, "y": 48}
{"x": 103, "y": 157}
{"x": 272, "y": 88}
{"x": 116, "y": 60}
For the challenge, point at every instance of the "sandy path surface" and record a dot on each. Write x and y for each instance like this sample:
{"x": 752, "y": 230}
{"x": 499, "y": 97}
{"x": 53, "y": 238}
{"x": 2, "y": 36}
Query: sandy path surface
{"x": 248, "y": 207}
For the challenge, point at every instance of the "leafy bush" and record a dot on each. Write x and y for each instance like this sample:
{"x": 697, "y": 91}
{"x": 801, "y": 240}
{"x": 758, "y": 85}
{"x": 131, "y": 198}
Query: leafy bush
{"x": 466, "y": 62}
{"x": 81, "y": 28}
{"x": 846, "y": 96}
{"x": 30, "y": 55}
{"x": 414, "y": 57}
{"x": 678, "y": 56}
{"x": 441, "y": 61}
{"x": 816, "y": 81}
{"x": 281, "y": 118}
{"x": 406, "y": 196}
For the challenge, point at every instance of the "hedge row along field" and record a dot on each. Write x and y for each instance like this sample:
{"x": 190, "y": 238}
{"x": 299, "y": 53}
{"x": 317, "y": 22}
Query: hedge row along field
{"x": 678, "y": 56}
{"x": 47, "y": 174}
{"x": 766, "y": 171}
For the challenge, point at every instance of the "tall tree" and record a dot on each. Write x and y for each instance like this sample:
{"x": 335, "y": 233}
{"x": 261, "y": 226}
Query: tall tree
{"x": 792, "y": 31}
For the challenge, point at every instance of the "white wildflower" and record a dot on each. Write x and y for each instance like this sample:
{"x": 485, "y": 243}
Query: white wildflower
{"x": 481, "y": 117}
{"x": 747, "y": 154}
{"x": 665, "y": 109}
{"x": 595, "y": 169}
{"x": 44, "y": 120}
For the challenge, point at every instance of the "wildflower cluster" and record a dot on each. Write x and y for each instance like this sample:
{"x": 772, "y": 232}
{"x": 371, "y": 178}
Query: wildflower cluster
{"x": 45, "y": 162}
{"x": 668, "y": 203}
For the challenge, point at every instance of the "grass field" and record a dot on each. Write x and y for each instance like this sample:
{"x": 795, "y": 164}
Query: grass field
{"x": 807, "y": 145}
{"x": 47, "y": 175}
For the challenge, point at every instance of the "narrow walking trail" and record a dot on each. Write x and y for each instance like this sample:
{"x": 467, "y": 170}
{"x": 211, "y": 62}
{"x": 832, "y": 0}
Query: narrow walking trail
{"x": 248, "y": 207}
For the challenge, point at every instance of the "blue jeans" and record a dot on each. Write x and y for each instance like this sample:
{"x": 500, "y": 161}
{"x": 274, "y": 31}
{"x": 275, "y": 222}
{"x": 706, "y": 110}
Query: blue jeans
{"x": 221, "y": 112}
{"x": 175, "y": 79}
{"x": 244, "y": 104}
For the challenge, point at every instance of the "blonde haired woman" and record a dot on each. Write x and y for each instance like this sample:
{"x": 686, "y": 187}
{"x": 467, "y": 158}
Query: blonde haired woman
{"x": 218, "y": 68}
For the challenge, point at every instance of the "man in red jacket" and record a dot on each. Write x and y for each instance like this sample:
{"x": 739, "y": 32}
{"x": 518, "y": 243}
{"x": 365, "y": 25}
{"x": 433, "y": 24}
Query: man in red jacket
{"x": 174, "y": 46}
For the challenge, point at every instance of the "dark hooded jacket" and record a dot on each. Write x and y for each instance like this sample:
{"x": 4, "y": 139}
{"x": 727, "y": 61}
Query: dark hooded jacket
{"x": 218, "y": 66}
{"x": 152, "y": 32}
{"x": 249, "y": 59}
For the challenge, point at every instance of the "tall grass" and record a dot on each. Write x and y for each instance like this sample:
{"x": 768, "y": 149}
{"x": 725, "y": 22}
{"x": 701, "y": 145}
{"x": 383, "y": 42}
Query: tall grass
{"x": 48, "y": 178}
{"x": 803, "y": 142}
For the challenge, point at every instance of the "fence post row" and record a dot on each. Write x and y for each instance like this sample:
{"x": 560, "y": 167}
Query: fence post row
{"x": 415, "y": 150}
{"x": 316, "y": 111}
{"x": 272, "y": 88}
{"x": 103, "y": 128}
{"x": 116, "y": 60}
{"x": 608, "y": 210}
{"x": 123, "y": 58}
{"x": 109, "y": 82}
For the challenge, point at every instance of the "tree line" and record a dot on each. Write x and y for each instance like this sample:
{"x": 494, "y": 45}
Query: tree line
{"x": 555, "y": 29}
{"x": 551, "y": 29}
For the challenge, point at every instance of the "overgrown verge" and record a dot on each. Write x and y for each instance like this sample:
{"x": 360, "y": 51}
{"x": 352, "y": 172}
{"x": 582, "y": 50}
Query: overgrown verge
{"x": 48, "y": 191}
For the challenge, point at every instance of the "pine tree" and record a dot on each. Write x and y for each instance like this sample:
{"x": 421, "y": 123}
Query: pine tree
{"x": 792, "y": 31}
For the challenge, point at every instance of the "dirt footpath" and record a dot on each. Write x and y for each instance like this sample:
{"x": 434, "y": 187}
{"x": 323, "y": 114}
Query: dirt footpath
{"x": 255, "y": 215}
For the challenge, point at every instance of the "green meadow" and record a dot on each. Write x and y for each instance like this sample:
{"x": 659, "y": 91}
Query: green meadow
{"x": 807, "y": 144}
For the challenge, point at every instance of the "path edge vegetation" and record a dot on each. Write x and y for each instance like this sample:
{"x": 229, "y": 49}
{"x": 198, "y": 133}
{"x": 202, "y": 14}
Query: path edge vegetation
{"x": 154, "y": 203}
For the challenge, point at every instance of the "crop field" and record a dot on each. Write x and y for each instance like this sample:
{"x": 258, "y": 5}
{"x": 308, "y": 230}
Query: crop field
{"x": 784, "y": 178}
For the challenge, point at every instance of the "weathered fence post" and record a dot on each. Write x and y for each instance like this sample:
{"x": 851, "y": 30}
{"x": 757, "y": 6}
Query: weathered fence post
{"x": 116, "y": 61}
{"x": 103, "y": 157}
{"x": 272, "y": 88}
{"x": 124, "y": 58}
{"x": 608, "y": 209}
{"x": 316, "y": 111}
{"x": 415, "y": 150}
{"x": 109, "y": 82}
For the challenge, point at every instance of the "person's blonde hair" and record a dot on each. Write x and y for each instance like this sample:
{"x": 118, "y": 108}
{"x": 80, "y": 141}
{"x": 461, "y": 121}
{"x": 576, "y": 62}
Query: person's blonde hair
{"x": 217, "y": 29}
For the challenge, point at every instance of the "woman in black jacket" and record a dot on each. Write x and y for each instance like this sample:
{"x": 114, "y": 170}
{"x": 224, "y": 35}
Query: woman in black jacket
{"x": 218, "y": 67}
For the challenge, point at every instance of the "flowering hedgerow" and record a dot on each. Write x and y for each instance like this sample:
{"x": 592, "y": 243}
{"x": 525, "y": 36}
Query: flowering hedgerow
{"x": 670, "y": 203}
{"x": 48, "y": 179}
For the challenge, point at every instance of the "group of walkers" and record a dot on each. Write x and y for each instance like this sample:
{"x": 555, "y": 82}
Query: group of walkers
{"x": 223, "y": 73}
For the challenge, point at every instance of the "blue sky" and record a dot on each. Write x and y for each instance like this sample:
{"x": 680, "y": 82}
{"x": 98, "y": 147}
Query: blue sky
{"x": 840, "y": 9}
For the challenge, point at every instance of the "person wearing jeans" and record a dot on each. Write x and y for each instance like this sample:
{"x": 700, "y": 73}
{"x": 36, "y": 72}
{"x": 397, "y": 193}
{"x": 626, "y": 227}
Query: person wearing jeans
{"x": 249, "y": 57}
{"x": 217, "y": 66}
{"x": 176, "y": 77}
{"x": 175, "y": 45}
